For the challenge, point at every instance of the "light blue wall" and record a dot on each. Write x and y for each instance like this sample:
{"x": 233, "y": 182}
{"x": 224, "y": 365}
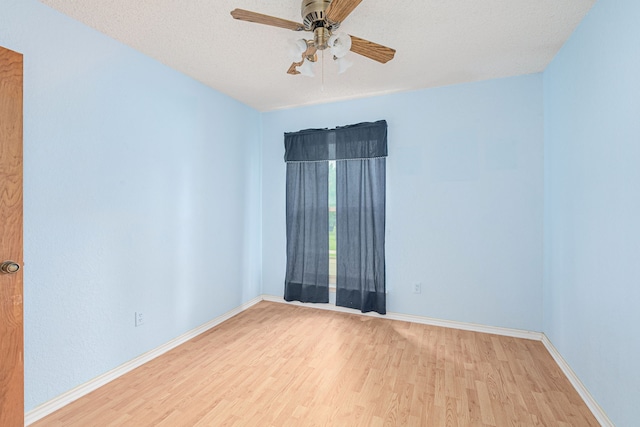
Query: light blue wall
{"x": 141, "y": 193}
{"x": 592, "y": 205}
{"x": 464, "y": 198}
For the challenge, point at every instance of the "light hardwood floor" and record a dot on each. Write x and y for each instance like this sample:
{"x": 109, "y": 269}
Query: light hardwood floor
{"x": 283, "y": 365}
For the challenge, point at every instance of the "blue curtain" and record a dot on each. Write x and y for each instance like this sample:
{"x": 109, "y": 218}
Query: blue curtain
{"x": 360, "y": 222}
{"x": 307, "y": 274}
{"x": 359, "y": 151}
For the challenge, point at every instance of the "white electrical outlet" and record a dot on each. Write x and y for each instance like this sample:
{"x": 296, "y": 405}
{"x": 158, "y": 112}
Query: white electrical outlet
{"x": 417, "y": 288}
{"x": 139, "y": 319}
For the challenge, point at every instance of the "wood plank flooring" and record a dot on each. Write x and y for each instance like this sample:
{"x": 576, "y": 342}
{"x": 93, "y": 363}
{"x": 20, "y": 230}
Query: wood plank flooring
{"x": 283, "y": 365}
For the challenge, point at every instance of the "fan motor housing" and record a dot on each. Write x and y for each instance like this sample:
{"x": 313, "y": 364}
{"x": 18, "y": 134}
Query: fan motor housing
{"x": 313, "y": 14}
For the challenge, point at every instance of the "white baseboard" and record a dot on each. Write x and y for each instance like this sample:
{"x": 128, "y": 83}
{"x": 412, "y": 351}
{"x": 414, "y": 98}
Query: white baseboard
{"x": 515, "y": 333}
{"x": 591, "y": 403}
{"x": 58, "y": 402}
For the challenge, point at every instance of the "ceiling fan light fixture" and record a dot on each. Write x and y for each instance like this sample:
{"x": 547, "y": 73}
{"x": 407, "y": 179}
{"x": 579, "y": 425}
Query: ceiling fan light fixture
{"x": 343, "y": 64}
{"x": 296, "y": 48}
{"x": 321, "y": 37}
{"x": 340, "y": 44}
{"x": 306, "y": 69}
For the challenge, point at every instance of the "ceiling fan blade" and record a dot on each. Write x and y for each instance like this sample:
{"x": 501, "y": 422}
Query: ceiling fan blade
{"x": 372, "y": 50}
{"x": 338, "y": 10}
{"x": 259, "y": 18}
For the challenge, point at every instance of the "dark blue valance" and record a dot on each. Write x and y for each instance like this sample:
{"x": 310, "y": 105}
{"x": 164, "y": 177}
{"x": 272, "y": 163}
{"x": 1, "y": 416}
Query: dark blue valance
{"x": 360, "y": 141}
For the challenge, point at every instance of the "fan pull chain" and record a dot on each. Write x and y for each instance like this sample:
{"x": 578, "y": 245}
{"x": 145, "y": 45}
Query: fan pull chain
{"x": 322, "y": 71}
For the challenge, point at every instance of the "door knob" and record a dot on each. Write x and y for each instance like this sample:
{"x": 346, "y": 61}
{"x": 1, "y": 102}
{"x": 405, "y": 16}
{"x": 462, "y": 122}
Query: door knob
{"x": 9, "y": 267}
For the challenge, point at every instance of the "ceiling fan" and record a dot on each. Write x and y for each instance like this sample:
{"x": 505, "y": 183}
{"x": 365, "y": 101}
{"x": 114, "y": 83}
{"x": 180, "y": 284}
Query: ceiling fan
{"x": 323, "y": 18}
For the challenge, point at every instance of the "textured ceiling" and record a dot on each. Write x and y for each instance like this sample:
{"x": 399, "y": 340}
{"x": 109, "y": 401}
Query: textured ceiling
{"x": 438, "y": 42}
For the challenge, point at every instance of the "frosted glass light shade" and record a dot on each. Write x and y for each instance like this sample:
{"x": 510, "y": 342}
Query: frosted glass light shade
{"x": 296, "y": 48}
{"x": 306, "y": 69}
{"x": 340, "y": 44}
{"x": 343, "y": 64}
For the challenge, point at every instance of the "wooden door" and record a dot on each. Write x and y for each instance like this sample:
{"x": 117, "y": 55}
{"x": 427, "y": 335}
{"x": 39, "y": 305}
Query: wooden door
{"x": 11, "y": 328}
